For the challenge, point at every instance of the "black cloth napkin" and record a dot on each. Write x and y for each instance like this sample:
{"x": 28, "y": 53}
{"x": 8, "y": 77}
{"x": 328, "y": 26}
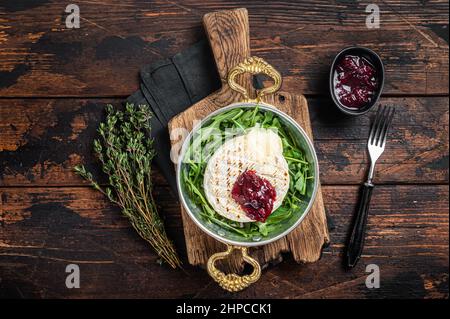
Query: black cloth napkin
{"x": 169, "y": 87}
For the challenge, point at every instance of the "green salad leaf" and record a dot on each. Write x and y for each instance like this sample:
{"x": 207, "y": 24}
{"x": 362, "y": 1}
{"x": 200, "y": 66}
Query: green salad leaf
{"x": 209, "y": 138}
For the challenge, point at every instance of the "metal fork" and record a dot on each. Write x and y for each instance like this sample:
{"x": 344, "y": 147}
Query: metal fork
{"x": 375, "y": 145}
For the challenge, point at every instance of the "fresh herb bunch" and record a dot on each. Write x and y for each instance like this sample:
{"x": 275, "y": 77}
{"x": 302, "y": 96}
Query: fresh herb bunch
{"x": 238, "y": 120}
{"x": 125, "y": 152}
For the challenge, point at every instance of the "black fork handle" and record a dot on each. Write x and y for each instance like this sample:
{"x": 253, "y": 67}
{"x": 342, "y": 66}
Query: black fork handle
{"x": 356, "y": 244}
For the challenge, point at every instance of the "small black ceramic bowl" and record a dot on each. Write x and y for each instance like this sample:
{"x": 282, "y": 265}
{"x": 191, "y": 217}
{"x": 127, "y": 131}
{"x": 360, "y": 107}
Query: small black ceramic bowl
{"x": 375, "y": 61}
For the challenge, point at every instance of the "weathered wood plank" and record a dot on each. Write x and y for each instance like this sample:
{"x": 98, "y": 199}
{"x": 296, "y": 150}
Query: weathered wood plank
{"x": 41, "y": 140}
{"x": 44, "y": 229}
{"x": 41, "y": 57}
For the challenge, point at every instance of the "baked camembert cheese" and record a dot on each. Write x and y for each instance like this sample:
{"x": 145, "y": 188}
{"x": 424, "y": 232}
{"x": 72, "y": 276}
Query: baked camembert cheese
{"x": 255, "y": 156}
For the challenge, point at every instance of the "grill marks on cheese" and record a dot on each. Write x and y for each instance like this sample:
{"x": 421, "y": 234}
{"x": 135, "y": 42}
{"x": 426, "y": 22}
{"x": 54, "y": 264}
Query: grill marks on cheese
{"x": 258, "y": 149}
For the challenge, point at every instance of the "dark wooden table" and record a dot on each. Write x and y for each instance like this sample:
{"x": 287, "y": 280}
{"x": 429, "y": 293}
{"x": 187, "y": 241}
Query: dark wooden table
{"x": 55, "y": 81}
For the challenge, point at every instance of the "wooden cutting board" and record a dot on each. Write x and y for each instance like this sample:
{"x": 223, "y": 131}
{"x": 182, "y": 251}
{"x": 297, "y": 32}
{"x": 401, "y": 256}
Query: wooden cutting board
{"x": 228, "y": 33}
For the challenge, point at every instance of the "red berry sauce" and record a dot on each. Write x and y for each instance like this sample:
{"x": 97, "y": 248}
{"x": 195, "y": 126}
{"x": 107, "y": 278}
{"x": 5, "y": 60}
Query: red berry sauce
{"x": 355, "y": 81}
{"x": 254, "y": 194}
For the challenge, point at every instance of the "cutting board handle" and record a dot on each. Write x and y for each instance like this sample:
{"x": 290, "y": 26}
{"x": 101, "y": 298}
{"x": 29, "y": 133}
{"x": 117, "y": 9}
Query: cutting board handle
{"x": 229, "y": 37}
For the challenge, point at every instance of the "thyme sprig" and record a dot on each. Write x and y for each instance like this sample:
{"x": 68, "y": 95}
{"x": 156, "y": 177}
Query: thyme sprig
{"x": 125, "y": 153}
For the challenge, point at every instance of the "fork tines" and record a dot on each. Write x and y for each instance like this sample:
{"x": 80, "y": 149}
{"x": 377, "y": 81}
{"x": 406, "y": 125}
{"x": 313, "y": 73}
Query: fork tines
{"x": 380, "y": 126}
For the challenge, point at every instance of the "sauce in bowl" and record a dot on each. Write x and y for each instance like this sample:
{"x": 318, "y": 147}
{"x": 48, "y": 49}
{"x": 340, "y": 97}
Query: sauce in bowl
{"x": 355, "y": 81}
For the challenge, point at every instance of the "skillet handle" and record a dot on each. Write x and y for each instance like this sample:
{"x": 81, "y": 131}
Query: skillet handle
{"x": 233, "y": 282}
{"x": 254, "y": 65}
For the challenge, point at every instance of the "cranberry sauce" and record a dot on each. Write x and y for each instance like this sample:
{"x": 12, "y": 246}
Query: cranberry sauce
{"x": 254, "y": 194}
{"x": 355, "y": 81}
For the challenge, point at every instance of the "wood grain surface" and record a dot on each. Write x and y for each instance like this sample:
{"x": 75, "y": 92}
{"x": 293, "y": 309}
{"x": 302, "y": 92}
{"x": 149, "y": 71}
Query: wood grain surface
{"x": 44, "y": 138}
{"x": 41, "y": 57}
{"x": 407, "y": 237}
{"x": 54, "y": 83}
